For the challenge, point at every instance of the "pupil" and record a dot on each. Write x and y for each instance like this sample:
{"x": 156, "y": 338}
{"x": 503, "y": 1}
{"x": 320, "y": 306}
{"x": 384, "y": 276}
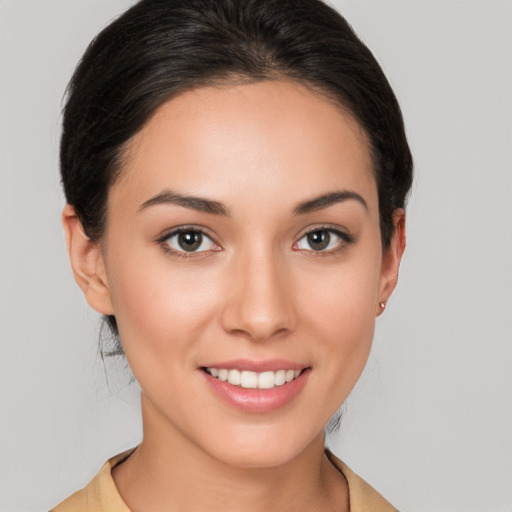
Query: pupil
{"x": 319, "y": 240}
{"x": 189, "y": 240}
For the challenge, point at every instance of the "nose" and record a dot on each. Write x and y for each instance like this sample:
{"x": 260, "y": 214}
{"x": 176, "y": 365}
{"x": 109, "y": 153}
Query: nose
{"x": 259, "y": 299}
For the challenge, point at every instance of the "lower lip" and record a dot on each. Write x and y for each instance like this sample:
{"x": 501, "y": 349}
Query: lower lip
{"x": 257, "y": 400}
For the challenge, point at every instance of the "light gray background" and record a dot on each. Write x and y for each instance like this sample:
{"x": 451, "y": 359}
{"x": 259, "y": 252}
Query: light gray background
{"x": 430, "y": 422}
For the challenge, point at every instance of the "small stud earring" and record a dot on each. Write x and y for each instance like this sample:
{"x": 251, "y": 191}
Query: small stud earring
{"x": 382, "y": 305}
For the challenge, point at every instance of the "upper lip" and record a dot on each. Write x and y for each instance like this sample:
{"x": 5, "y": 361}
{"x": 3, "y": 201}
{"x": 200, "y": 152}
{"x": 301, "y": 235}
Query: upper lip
{"x": 257, "y": 366}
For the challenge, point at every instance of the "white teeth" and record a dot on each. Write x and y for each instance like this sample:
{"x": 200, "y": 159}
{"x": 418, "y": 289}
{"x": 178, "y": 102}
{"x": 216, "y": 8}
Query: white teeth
{"x": 290, "y": 375}
{"x": 280, "y": 377}
{"x": 234, "y": 377}
{"x": 266, "y": 380}
{"x": 253, "y": 380}
{"x": 249, "y": 379}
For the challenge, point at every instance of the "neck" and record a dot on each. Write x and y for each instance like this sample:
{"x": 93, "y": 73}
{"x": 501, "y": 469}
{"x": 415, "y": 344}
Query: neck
{"x": 168, "y": 472}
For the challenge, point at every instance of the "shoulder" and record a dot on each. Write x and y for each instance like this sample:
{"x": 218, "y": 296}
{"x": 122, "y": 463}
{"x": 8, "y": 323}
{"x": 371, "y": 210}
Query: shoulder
{"x": 363, "y": 497}
{"x": 100, "y": 495}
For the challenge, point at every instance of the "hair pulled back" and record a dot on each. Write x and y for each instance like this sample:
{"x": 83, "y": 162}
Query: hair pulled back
{"x": 160, "y": 48}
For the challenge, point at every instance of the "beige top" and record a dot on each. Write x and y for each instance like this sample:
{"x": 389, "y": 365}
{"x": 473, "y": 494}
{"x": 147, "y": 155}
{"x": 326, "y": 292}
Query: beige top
{"x": 101, "y": 494}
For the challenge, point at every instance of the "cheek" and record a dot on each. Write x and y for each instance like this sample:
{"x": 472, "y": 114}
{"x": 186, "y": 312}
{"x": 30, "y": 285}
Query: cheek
{"x": 342, "y": 297}
{"x": 340, "y": 314}
{"x": 159, "y": 308}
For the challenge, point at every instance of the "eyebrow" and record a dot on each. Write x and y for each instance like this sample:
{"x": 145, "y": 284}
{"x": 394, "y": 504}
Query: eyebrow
{"x": 217, "y": 208}
{"x": 325, "y": 200}
{"x": 192, "y": 202}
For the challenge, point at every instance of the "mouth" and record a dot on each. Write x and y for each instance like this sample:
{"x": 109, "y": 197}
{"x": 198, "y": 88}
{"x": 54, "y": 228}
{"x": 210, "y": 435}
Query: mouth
{"x": 257, "y": 387}
{"x": 254, "y": 380}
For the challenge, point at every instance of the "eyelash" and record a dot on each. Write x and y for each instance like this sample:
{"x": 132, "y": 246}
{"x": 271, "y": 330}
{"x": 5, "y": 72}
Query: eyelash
{"x": 162, "y": 241}
{"x": 346, "y": 239}
{"x": 184, "y": 255}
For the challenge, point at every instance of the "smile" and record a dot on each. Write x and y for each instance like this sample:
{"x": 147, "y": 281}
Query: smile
{"x": 254, "y": 380}
{"x": 256, "y": 386}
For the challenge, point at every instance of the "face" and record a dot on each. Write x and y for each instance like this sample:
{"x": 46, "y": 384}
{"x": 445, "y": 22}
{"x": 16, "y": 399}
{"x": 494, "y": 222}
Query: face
{"x": 243, "y": 243}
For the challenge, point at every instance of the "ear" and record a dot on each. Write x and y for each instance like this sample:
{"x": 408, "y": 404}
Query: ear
{"x": 87, "y": 263}
{"x": 391, "y": 260}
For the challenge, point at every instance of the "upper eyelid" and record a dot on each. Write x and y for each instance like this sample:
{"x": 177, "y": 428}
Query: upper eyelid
{"x": 182, "y": 254}
{"x": 327, "y": 227}
{"x": 179, "y": 229}
{"x": 205, "y": 231}
{"x": 346, "y": 239}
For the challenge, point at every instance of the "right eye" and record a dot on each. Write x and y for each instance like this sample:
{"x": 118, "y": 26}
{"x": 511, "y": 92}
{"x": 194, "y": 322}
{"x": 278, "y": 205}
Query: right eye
{"x": 188, "y": 240}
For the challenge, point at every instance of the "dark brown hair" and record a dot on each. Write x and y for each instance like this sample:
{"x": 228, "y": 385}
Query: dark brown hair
{"x": 159, "y": 48}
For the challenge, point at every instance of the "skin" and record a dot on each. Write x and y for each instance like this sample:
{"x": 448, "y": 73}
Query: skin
{"x": 259, "y": 291}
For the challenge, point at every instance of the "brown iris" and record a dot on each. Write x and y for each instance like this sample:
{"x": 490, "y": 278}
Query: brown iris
{"x": 190, "y": 240}
{"x": 319, "y": 240}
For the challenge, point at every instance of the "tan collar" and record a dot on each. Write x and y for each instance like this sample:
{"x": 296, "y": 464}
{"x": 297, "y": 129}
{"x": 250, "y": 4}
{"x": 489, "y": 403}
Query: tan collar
{"x": 363, "y": 497}
{"x": 101, "y": 494}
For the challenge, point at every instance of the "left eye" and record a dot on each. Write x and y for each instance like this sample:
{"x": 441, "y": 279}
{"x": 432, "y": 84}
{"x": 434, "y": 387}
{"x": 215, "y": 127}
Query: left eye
{"x": 189, "y": 240}
{"x": 321, "y": 240}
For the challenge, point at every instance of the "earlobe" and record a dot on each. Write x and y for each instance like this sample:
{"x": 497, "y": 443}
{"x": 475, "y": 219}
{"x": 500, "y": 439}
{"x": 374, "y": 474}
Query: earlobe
{"x": 87, "y": 263}
{"x": 391, "y": 259}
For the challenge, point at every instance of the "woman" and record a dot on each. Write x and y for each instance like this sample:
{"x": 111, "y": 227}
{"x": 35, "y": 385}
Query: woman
{"x": 236, "y": 175}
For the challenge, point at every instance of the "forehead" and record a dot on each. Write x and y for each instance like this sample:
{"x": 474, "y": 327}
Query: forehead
{"x": 261, "y": 143}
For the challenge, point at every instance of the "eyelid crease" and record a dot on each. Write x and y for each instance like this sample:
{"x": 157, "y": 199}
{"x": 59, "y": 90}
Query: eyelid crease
{"x": 335, "y": 228}
{"x": 167, "y": 233}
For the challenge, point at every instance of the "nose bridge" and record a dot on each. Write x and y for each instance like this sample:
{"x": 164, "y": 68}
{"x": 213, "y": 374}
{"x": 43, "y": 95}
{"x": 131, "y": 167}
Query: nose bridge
{"x": 259, "y": 303}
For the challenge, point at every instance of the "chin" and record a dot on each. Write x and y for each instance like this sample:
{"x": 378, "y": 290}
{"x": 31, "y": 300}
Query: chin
{"x": 264, "y": 446}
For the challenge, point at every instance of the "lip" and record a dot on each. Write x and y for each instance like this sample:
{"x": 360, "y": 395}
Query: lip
{"x": 257, "y": 366}
{"x": 257, "y": 400}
